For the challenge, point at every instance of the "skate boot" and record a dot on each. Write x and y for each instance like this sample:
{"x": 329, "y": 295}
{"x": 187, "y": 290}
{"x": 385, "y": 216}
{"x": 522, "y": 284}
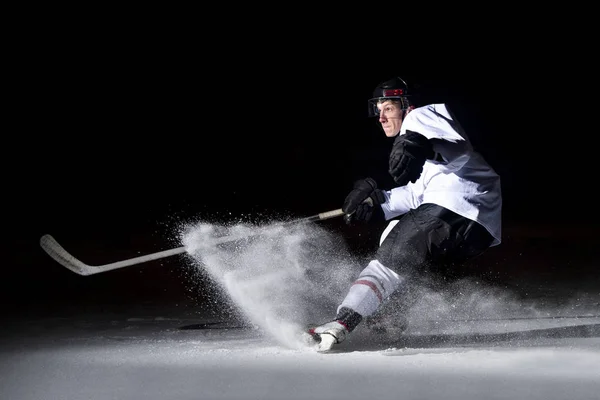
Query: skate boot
{"x": 328, "y": 335}
{"x": 382, "y": 324}
{"x": 390, "y": 318}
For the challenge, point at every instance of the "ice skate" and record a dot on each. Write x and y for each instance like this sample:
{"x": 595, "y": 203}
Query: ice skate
{"x": 391, "y": 318}
{"x": 387, "y": 324}
{"x": 325, "y": 337}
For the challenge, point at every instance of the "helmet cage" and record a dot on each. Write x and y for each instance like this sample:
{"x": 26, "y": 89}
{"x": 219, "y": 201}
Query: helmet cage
{"x": 373, "y": 111}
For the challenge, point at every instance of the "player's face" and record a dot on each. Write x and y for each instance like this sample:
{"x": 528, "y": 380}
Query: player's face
{"x": 390, "y": 117}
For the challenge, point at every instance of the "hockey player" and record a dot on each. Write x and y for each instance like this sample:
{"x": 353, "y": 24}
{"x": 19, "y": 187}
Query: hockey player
{"x": 446, "y": 207}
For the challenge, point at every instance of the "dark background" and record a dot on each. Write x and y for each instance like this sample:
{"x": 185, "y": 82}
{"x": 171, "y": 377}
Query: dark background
{"x": 118, "y": 143}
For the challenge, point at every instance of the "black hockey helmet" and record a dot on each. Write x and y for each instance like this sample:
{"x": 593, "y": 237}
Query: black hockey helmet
{"x": 395, "y": 88}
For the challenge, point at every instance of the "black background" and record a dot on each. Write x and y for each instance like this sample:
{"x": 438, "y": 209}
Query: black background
{"x": 118, "y": 141}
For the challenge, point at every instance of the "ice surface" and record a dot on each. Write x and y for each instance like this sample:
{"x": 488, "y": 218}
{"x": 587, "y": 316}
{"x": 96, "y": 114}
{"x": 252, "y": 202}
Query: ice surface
{"x": 465, "y": 342}
{"x": 154, "y": 358}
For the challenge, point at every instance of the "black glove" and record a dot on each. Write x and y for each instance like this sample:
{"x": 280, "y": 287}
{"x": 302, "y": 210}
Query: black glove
{"x": 363, "y": 200}
{"x": 408, "y": 156}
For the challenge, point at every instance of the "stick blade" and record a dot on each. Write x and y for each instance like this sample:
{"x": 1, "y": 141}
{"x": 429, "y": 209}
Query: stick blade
{"x": 60, "y": 255}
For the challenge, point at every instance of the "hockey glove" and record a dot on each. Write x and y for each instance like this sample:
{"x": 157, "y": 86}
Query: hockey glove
{"x": 408, "y": 155}
{"x": 363, "y": 201}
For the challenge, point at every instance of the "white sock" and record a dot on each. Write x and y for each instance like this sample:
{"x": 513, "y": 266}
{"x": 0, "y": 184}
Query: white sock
{"x": 374, "y": 284}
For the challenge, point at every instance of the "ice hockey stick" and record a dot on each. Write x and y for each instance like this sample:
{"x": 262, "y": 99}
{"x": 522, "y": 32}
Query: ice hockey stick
{"x": 58, "y": 253}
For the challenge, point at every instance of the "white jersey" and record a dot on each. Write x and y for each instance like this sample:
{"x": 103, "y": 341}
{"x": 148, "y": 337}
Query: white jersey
{"x": 458, "y": 178}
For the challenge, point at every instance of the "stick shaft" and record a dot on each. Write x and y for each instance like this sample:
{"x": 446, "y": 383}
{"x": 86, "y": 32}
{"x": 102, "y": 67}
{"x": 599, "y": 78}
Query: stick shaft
{"x": 59, "y": 254}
